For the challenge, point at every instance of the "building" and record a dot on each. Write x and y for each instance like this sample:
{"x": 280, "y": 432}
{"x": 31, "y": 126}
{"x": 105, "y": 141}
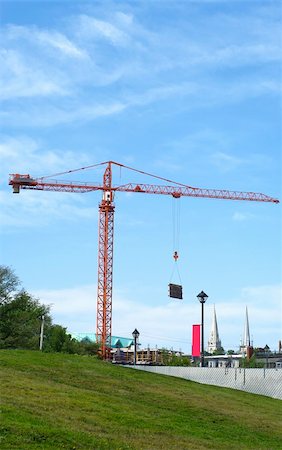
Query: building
{"x": 214, "y": 343}
{"x": 116, "y": 341}
{"x": 226, "y": 361}
{"x": 245, "y": 344}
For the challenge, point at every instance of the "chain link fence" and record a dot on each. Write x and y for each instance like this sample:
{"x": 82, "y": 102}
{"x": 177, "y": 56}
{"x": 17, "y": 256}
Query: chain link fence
{"x": 257, "y": 381}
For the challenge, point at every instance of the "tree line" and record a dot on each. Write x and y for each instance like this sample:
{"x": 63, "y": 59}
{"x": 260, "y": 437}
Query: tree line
{"x": 21, "y": 318}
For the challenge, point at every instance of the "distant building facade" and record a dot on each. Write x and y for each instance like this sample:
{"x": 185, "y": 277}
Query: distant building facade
{"x": 116, "y": 341}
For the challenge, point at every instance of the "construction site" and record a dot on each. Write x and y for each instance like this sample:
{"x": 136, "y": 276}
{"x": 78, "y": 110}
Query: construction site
{"x": 109, "y": 190}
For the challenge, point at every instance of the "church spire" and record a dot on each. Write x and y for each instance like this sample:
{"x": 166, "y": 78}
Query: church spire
{"x": 246, "y": 341}
{"x": 214, "y": 342}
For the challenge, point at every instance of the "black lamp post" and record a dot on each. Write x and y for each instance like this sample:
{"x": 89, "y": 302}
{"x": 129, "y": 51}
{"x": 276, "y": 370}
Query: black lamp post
{"x": 202, "y": 297}
{"x": 135, "y": 335}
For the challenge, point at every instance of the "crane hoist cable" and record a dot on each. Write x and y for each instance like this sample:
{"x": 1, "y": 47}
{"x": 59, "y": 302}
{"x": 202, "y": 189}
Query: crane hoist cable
{"x": 175, "y": 290}
{"x": 106, "y": 222}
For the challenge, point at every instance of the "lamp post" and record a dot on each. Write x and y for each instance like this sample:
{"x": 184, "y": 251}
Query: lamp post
{"x": 135, "y": 335}
{"x": 202, "y": 297}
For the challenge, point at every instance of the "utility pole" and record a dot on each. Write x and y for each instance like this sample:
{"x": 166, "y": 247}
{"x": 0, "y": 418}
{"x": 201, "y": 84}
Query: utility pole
{"x": 106, "y": 223}
{"x": 41, "y": 333}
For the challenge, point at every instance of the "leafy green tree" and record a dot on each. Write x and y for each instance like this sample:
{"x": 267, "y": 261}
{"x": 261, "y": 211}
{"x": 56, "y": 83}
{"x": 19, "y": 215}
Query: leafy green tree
{"x": 21, "y": 317}
{"x": 58, "y": 340}
{"x": 219, "y": 351}
{"x": 169, "y": 358}
{"x": 55, "y": 338}
{"x": 251, "y": 362}
{"x": 88, "y": 348}
{"x": 21, "y": 320}
{"x": 9, "y": 283}
{"x": 230, "y": 352}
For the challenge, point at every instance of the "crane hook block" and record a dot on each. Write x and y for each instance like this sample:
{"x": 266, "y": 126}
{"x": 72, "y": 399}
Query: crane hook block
{"x": 175, "y": 255}
{"x": 175, "y": 291}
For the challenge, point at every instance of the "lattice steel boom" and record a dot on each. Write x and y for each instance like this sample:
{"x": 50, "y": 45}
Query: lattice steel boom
{"x": 106, "y": 225}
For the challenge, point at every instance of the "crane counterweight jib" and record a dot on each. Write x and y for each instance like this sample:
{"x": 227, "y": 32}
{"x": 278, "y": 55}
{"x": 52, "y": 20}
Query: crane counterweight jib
{"x": 106, "y": 224}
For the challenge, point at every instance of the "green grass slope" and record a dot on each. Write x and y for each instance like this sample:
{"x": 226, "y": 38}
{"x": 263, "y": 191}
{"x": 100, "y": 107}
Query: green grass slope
{"x": 56, "y": 401}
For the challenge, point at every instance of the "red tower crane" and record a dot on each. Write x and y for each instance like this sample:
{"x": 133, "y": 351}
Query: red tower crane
{"x": 106, "y": 224}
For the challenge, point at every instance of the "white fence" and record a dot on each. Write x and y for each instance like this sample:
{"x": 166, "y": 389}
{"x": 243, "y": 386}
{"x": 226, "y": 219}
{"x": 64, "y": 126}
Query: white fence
{"x": 257, "y": 381}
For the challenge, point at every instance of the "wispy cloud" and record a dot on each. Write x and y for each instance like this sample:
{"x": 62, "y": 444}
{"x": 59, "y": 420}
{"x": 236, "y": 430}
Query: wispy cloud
{"x": 226, "y": 161}
{"x": 170, "y": 324}
{"x": 192, "y": 95}
{"x": 92, "y": 28}
{"x": 242, "y": 217}
{"x": 21, "y": 79}
{"x": 115, "y": 48}
{"x": 26, "y": 155}
{"x": 62, "y": 43}
{"x": 32, "y": 209}
{"x": 45, "y": 38}
{"x": 70, "y": 303}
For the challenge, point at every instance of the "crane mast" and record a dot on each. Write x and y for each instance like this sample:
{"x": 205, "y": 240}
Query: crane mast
{"x": 105, "y": 266}
{"x": 106, "y": 225}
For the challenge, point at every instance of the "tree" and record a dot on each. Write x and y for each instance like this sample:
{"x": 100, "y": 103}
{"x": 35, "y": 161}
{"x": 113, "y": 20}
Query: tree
{"x": 58, "y": 340}
{"x": 20, "y": 321}
{"x": 9, "y": 283}
{"x": 219, "y": 351}
{"x": 230, "y": 352}
{"x": 169, "y": 358}
{"x": 21, "y": 317}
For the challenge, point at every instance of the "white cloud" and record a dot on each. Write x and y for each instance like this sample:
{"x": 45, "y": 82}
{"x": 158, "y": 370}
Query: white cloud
{"x": 41, "y": 37}
{"x": 241, "y": 217}
{"x": 31, "y": 208}
{"x": 60, "y": 64}
{"x": 90, "y": 27}
{"x": 169, "y": 324}
{"x": 62, "y": 114}
{"x": 272, "y": 294}
{"x": 26, "y": 155}
{"x": 21, "y": 78}
{"x": 74, "y": 308}
{"x": 225, "y": 161}
{"x": 34, "y": 209}
{"x": 89, "y": 108}
{"x": 236, "y": 55}
{"x": 62, "y": 43}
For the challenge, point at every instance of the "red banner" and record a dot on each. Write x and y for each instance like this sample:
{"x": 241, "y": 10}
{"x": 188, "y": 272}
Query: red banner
{"x": 196, "y": 339}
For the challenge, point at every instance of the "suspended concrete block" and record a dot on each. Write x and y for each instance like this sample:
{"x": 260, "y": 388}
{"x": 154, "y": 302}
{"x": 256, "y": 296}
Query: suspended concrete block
{"x": 175, "y": 291}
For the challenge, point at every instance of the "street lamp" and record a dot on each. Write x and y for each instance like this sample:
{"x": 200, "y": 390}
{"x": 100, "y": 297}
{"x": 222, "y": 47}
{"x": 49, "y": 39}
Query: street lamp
{"x": 135, "y": 335}
{"x": 202, "y": 297}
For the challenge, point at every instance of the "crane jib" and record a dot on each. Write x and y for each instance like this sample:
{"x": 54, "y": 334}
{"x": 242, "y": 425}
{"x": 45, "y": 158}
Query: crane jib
{"x": 106, "y": 224}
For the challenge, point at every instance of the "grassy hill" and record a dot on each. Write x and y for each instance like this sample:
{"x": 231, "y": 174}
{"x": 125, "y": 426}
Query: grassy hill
{"x": 56, "y": 401}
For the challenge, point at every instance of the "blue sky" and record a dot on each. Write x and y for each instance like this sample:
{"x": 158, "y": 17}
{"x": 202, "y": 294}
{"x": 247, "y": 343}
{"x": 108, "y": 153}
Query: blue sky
{"x": 186, "y": 90}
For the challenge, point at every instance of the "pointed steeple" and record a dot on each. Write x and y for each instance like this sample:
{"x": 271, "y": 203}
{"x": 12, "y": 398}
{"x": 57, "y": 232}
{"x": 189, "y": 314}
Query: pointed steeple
{"x": 246, "y": 341}
{"x": 246, "y": 336}
{"x": 214, "y": 342}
